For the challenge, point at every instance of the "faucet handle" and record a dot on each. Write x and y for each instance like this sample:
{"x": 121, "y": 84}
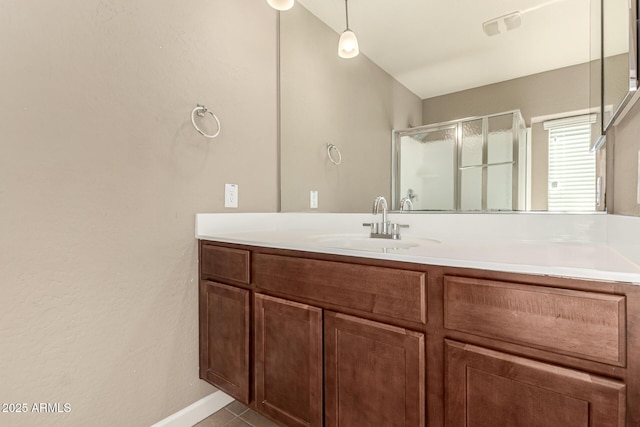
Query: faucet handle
{"x": 395, "y": 229}
{"x": 372, "y": 225}
{"x": 399, "y": 226}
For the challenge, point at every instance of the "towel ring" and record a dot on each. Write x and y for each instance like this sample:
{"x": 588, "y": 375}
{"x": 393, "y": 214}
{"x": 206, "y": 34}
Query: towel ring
{"x": 201, "y": 110}
{"x": 330, "y": 149}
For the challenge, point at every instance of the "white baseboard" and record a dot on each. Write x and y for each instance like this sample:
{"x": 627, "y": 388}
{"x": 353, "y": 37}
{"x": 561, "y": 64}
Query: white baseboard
{"x": 197, "y": 411}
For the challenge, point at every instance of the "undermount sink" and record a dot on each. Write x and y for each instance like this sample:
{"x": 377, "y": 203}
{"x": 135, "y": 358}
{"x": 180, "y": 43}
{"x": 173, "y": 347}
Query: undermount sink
{"x": 365, "y": 243}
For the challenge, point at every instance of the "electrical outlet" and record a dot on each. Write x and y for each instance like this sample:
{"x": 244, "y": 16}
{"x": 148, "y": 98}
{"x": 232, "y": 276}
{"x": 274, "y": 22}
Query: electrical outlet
{"x": 230, "y": 195}
{"x": 313, "y": 199}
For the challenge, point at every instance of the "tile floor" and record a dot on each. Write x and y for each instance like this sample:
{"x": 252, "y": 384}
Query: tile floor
{"x": 236, "y": 414}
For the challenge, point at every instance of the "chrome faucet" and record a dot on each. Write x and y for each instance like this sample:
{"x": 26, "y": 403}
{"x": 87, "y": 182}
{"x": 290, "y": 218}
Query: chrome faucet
{"x": 383, "y": 229}
{"x": 406, "y": 201}
{"x": 376, "y": 206}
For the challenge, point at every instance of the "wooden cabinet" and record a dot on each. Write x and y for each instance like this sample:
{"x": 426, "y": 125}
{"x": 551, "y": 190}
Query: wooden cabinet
{"x": 224, "y": 338}
{"x": 587, "y": 325}
{"x": 315, "y": 339}
{"x": 374, "y": 373}
{"x": 390, "y": 293}
{"x": 486, "y": 388}
{"x": 288, "y": 361}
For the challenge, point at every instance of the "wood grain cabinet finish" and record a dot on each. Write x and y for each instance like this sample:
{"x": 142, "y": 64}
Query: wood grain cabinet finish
{"x": 389, "y": 292}
{"x": 374, "y": 374}
{"x": 337, "y": 341}
{"x": 486, "y": 388}
{"x": 288, "y": 361}
{"x": 225, "y": 264}
{"x": 224, "y": 338}
{"x": 586, "y": 325}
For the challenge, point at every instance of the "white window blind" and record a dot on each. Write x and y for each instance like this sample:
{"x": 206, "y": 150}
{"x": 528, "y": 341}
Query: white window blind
{"x": 572, "y": 168}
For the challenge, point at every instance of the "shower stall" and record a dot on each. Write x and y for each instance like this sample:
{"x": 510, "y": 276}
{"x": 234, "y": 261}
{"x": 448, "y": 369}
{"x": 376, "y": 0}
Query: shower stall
{"x": 473, "y": 164}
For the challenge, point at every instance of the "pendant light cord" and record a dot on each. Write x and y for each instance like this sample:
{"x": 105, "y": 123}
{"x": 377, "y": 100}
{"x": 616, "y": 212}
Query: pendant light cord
{"x": 346, "y": 11}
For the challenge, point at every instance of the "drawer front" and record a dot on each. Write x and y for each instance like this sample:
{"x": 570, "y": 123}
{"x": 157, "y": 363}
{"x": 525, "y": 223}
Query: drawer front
{"x": 398, "y": 294}
{"x": 586, "y": 325}
{"x": 225, "y": 263}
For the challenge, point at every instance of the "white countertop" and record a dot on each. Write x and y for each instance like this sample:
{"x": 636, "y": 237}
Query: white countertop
{"x": 600, "y": 247}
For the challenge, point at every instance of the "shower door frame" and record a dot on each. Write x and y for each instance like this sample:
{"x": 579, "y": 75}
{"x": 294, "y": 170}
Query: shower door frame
{"x": 396, "y": 157}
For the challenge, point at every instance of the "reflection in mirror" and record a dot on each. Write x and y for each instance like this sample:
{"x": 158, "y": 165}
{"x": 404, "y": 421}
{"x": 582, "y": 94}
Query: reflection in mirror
{"x": 471, "y": 164}
{"x": 424, "y": 63}
{"x": 619, "y": 64}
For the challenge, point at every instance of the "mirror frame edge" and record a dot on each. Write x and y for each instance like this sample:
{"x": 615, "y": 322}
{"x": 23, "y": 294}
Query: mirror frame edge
{"x": 633, "y": 93}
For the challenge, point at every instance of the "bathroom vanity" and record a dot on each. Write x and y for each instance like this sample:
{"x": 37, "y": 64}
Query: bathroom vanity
{"x": 349, "y": 337}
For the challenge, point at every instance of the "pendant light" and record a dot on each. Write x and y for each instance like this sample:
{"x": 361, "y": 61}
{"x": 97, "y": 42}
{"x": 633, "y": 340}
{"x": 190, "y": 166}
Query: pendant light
{"x": 348, "y": 44}
{"x": 281, "y": 4}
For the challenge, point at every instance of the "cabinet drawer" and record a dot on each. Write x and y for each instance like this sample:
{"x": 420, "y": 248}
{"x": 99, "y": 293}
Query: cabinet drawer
{"x": 390, "y": 292}
{"x": 225, "y": 263}
{"x": 586, "y": 325}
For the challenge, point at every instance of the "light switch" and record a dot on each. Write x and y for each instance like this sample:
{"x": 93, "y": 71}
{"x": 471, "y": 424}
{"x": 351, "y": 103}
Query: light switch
{"x": 313, "y": 199}
{"x": 230, "y": 195}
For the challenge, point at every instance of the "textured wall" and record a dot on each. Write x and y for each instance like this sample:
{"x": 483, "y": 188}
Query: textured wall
{"x": 101, "y": 174}
{"x": 351, "y": 103}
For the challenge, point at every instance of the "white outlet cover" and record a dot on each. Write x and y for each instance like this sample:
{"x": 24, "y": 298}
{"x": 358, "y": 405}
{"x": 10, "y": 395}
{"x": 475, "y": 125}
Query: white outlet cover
{"x": 230, "y": 195}
{"x": 313, "y": 199}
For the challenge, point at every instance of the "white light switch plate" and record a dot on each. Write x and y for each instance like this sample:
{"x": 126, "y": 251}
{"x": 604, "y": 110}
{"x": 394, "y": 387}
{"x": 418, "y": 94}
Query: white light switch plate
{"x": 230, "y": 195}
{"x": 313, "y": 199}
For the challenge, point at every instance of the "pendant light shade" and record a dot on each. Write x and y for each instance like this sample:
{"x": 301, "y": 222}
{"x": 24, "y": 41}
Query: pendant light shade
{"x": 348, "y": 44}
{"x": 281, "y": 4}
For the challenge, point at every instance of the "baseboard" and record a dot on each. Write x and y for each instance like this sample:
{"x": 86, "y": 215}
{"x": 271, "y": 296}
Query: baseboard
{"x": 197, "y": 411}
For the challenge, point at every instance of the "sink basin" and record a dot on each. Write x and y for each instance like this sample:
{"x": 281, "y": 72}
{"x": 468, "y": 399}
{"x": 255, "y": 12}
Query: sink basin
{"x": 361, "y": 242}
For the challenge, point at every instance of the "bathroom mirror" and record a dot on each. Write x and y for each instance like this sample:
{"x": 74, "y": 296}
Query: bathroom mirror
{"x": 423, "y": 63}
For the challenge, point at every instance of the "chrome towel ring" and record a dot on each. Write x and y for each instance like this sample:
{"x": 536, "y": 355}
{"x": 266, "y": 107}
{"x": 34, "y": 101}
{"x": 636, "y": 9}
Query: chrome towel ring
{"x": 333, "y": 149}
{"x": 201, "y": 110}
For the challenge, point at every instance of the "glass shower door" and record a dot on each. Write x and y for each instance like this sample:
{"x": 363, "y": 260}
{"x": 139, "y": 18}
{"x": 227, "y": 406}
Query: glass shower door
{"x": 428, "y": 168}
{"x": 474, "y": 164}
{"x": 500, "y": 162}
{"x": 472, "y": 159}
{"x": 487, "y": 163}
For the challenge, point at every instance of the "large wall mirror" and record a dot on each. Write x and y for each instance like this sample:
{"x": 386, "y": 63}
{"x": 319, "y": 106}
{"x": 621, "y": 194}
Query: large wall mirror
{"x": 426, "y": 65}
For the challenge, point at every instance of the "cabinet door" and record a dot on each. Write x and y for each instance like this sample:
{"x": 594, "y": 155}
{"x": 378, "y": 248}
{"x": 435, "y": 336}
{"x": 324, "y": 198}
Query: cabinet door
{"x": 224, "y": 338}
{"x": 374, "y": 373}
{"x": 288, "y": 361}
{"x": 486, "y": 388}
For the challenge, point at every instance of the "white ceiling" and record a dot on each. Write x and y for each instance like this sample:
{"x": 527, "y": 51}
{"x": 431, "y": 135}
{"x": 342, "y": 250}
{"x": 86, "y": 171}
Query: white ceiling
{"x": 435, "y": 47}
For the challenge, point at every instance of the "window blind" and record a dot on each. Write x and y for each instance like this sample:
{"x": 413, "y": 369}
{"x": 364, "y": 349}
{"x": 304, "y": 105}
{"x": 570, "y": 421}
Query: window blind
{"x": 572, "y": 168}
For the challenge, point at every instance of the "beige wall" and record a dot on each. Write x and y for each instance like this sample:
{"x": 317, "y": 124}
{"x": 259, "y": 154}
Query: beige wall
{"x": 351, "y": 103}
{"x": 552, "y": 92}
{"x": 101, "y": 174}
